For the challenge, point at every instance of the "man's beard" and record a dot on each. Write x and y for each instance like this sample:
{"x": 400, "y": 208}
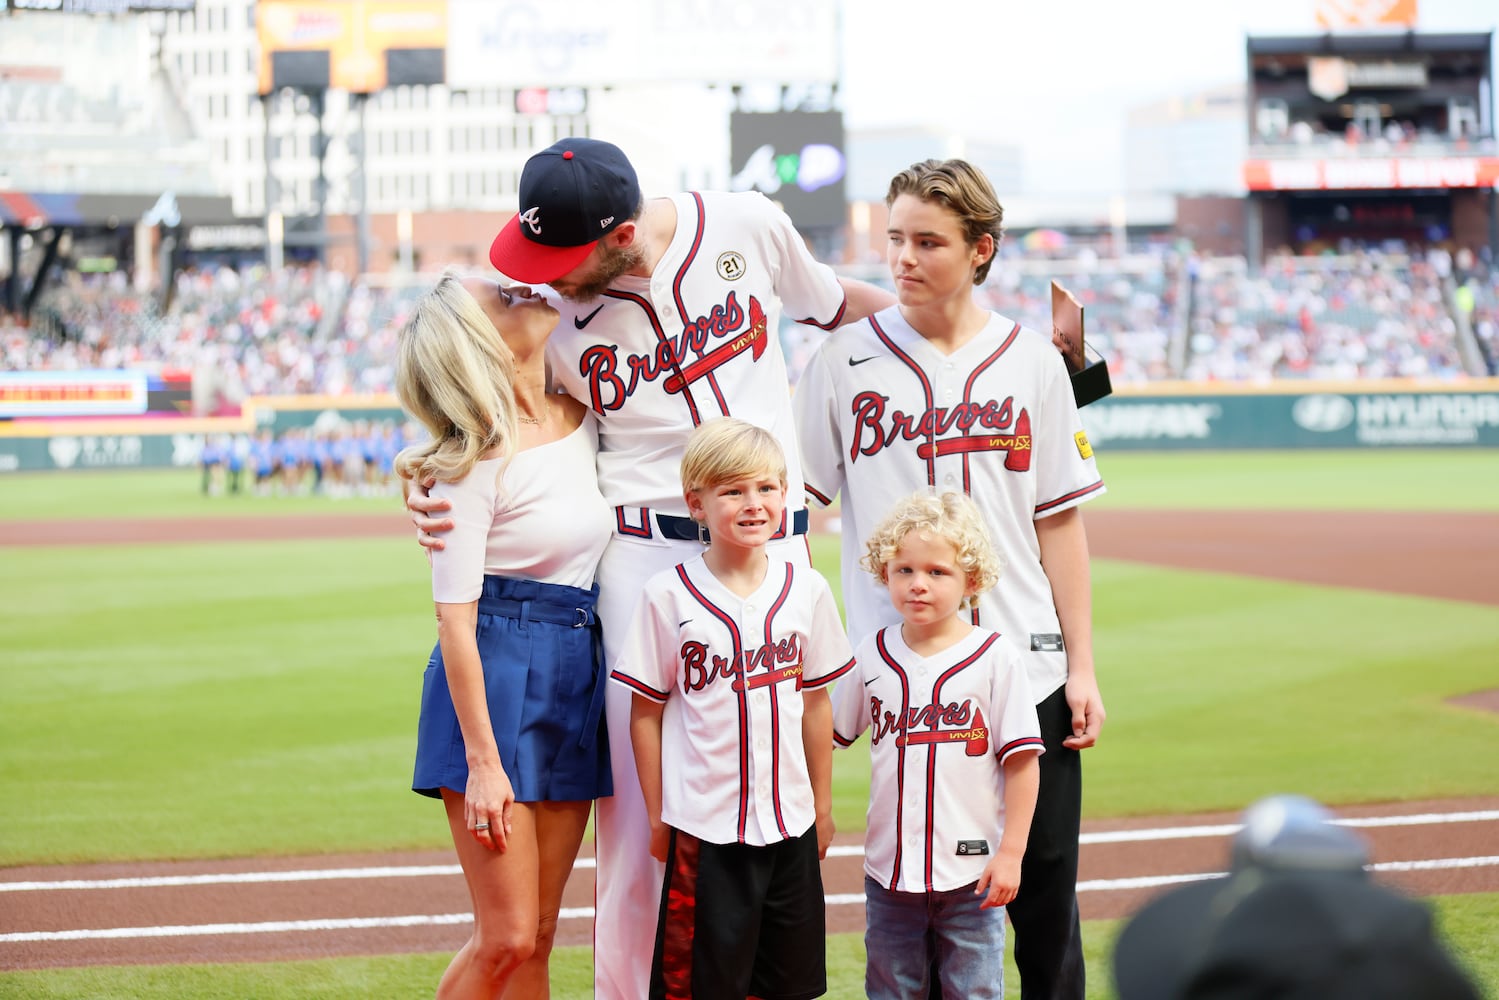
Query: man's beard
{"x": 615, "y": 264}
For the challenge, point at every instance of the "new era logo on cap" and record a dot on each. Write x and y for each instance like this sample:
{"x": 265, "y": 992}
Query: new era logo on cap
{"x": 574, "y": 192}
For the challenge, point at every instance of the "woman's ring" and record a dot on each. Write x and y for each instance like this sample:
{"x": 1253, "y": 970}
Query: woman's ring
{"x": 481, "y": 826}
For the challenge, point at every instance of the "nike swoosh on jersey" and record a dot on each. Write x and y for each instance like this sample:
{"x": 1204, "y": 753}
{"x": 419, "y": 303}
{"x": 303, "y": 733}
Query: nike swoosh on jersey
{"x": 579, "y": 322}
{"x": 859, "y": 361}
{"x": 681, "y": 623}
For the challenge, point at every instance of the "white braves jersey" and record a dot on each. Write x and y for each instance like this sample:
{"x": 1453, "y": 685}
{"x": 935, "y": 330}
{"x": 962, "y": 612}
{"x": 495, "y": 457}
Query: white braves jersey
{"x": 731, "y": 672}
{"x": 881, "y": 413}
{"x": 941, "y": 728}
{"x": 699, "y": 339}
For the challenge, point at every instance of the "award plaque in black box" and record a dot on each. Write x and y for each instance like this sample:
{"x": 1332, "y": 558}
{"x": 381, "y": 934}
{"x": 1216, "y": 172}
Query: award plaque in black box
{"x": 1089, "y": 371}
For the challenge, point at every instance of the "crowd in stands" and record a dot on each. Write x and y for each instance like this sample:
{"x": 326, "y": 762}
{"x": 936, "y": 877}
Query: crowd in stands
{"x": 1362, "y": 315}
{"x": 306, "y": 330}
{"x": 1128, "y": 306}
{"x": 1477, "y": 298}
{"x": 296, "y": 330}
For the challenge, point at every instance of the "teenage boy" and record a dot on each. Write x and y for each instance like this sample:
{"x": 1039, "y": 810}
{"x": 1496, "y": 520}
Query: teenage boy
{"x": 938, "y": 393}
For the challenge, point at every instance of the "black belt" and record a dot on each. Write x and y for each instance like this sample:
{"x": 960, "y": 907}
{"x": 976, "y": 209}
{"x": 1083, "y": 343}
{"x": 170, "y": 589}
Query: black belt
{"x": 685, "y": 529}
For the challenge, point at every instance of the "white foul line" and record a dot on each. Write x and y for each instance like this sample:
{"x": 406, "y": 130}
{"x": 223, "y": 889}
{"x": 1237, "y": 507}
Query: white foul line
{"x": 837, "y": 851}
{"x": 586, "y": 912}
{"x": 1229, "y": 829}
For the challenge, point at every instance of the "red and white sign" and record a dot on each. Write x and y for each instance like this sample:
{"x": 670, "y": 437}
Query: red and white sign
{"x": 1371, "y": 174}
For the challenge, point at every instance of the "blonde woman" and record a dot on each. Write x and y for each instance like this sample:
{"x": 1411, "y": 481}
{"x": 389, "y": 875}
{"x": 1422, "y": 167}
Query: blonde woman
{"x": 511, "y": 735}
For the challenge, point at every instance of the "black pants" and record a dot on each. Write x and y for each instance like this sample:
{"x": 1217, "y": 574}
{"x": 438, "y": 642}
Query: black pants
{"x": 1043, "y": 917}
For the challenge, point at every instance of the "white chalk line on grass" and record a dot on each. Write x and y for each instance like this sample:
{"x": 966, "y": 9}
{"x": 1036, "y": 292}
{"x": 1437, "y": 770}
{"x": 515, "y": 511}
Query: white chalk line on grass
{"x": 1229, "y": 829}
{"x": 586, "y": 912}
{"x": 837, "y": 851}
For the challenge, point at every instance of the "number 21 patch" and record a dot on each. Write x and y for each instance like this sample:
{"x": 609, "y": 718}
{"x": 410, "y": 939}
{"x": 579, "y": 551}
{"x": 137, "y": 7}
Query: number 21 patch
{"x": 1083, "y": 447}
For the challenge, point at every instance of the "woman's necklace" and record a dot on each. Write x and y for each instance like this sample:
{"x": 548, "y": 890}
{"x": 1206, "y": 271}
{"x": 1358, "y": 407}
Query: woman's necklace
{"x": 536, "y": 421}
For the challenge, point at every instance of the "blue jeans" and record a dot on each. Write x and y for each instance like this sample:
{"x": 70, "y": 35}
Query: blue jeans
{"x": 904, "y": 931}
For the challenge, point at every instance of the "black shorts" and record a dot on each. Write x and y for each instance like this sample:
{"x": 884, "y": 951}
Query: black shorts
{"x": 738, "y": 920}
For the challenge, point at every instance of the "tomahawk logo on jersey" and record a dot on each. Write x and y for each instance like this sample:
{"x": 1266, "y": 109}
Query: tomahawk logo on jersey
{"x": 731, "y": 671}
{"x": 940, "y": 728}
{"x": 882, "y": 412}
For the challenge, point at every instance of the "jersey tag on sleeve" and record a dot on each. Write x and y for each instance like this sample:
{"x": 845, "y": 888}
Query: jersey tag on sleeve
{"x": 1046, "y": 642}
{"x": 1083, "y": 447}
{"x": 973, "y": 847}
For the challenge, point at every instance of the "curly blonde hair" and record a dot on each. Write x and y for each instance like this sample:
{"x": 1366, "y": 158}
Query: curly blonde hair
{"x": 951, "y": 517}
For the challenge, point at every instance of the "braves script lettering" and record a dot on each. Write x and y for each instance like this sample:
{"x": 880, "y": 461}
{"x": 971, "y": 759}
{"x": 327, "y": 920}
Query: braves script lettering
{"x": 875, "y": 430}
{"x": 780, "y": 660}
{"x": 610, "y": 383}
{"x": 884, "y": 722}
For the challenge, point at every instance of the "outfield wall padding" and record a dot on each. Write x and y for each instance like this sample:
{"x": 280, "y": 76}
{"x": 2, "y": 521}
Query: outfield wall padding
{"x": 1165, "y": 417}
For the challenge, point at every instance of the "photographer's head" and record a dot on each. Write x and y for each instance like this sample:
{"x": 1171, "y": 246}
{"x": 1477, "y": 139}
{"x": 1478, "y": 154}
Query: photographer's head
{"x": 1298, "y": 918}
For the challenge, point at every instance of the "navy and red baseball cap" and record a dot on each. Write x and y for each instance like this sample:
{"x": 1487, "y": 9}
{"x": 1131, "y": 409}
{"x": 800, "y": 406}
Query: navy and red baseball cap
{"x": 572, "y": 194}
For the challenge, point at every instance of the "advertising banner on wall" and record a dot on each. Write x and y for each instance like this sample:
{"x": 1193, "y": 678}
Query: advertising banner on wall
{"x": 1315, "y": 419}
{"x": 542, "y": 43}
{"x": 1326, "y": 415}
{"x": 1374, "y": 173}
{"x": 72, "y": 393}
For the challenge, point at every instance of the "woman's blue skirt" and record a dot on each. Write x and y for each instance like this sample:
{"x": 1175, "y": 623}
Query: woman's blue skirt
{"x": 542, "y": 650}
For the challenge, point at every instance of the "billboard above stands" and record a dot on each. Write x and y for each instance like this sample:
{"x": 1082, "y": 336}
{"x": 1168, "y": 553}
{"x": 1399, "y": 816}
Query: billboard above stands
{"x": 359, "y": 47}
{"x": 1344, "y": 15}
{"x": 542, "y": 43}
{"x": 1377, "y": 173}
{"x": 795, "y": 158}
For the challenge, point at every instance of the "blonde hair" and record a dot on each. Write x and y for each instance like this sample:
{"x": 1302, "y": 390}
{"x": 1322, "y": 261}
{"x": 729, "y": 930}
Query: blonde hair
{"x": 457, "y": 376}
{"x": 952, "y": 517}
{"x": 725, "y": 449}
{"x": 963, "y": 189}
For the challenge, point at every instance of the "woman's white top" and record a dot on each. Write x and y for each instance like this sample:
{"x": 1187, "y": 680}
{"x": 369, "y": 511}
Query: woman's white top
{"x": 541, "y": 518}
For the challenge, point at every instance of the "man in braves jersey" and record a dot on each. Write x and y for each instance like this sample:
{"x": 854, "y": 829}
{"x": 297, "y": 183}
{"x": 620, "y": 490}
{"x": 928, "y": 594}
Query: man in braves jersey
{"x": 669, "y": 311}
{"x": 938, "y": 393}
{"x": 729, "y": 658}
{"x": 953, "y": 745}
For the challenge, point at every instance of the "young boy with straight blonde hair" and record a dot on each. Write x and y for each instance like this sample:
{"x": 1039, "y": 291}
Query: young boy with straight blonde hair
{"x": 729, "y": 658}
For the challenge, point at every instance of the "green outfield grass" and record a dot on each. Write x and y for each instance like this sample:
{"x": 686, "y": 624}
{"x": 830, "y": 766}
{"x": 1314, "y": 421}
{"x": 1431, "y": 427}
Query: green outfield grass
{"x": 248, "y": 698}
{"x": 240, "y": 699}
{"x": 1418, "y": 479}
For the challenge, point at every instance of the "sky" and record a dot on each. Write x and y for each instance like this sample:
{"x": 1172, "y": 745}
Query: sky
{"x": 1056, "y": 77}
